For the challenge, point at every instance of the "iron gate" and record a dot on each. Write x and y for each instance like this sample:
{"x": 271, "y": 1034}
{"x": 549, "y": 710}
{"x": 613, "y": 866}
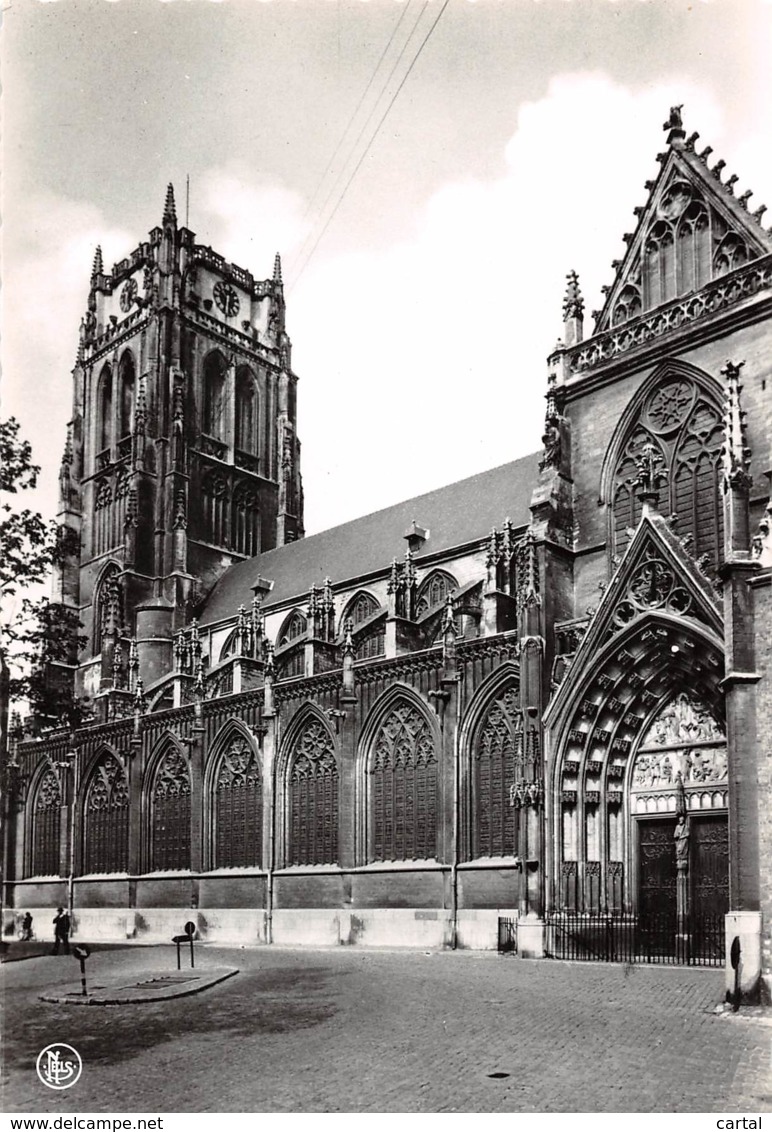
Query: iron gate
{"x": 698, "y": 941}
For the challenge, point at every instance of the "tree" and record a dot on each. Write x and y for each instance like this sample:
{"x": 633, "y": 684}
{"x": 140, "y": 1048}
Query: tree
{"x": 34, "y": 632}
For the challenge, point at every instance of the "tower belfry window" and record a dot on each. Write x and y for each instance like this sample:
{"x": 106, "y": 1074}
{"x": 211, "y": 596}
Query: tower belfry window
{"x": 214, "y": 396}
{"x": 105, "y": 419}
{"x": 247, "y": 412}
{"x": 127, "y": 381}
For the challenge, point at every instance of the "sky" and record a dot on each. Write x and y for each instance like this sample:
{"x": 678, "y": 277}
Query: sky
{"x": 514, "y": 151}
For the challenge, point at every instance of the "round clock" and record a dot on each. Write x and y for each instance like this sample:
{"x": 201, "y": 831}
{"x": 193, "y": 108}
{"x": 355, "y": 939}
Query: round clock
{"x": 128, "y": 295}
{"x": 226, "y": 299}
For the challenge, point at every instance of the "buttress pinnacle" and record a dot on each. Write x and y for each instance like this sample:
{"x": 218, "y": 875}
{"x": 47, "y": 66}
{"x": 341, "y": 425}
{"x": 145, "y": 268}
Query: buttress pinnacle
{"x": 170, "y": 210}
{"x": 573, "y": 304}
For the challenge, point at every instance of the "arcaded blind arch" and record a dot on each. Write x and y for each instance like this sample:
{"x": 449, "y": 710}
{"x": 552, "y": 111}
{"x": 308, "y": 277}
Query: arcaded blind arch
{"x": 246, "y": 520}
{"x": 215, "y": 507}
{"x": 684, "y": 425}
{"x": 46, "y": 826}
{"x": 238, "y": 806}
{"x": 170, "y": 813}
{"x": 108, "y": 591}
{"x": 214, "y": 395}
{"x": 495, "y": 749}
{"x": 403, "y": 787}
{"x": 312, "y": 798}
{"x": 106, "y": 818}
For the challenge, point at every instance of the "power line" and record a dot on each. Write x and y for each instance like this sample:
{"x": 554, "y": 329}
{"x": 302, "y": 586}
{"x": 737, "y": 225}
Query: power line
{"x": 336, "y": 182}
{"x": 373, "y": 137}
{"x": 351, "y": 120}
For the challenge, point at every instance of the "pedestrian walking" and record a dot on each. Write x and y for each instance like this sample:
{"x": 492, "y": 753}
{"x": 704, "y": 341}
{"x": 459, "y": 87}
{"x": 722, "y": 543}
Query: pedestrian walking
{"x": 61, "y": 931}
{"x": 26, "y": 927}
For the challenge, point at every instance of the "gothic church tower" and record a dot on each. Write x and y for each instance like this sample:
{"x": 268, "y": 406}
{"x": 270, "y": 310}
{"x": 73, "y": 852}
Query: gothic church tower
{"x": 182, "y": 454}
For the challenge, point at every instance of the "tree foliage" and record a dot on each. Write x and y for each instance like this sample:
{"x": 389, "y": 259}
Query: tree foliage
{"x": 34, "y": 632}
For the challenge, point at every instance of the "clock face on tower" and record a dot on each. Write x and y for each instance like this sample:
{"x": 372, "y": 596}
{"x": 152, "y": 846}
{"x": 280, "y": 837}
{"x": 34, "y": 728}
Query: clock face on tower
{"x": 128, "y": 295}
{"x": 226, "y": 298}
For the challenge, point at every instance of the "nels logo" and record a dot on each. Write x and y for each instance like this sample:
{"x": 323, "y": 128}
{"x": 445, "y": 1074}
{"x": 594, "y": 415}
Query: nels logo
{"x": 59, "y": 1066}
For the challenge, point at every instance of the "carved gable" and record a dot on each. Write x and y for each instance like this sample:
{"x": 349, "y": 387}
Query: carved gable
{"x": 691, "y": 231}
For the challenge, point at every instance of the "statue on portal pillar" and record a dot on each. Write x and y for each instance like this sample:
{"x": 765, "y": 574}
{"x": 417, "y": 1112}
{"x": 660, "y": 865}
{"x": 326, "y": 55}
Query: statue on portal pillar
{"x": 681, "y": 838}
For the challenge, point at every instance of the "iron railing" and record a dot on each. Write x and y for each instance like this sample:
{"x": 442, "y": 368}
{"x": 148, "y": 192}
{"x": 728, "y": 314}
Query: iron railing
{"x": 507, "y": 936}
{"x": 698, "y": 941}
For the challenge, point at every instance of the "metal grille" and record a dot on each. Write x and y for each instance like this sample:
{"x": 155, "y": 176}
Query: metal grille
{"x": 238, "y": 807}
{"x": 171, "y": 814}
{"x": 404, "y": 788}
{"x": 313, "y": 799}
{"x": 507, "y": 936}
{"x": 698, "y": 941}
{"x": 106, "y": 819}
{"x": 46, "y": 828}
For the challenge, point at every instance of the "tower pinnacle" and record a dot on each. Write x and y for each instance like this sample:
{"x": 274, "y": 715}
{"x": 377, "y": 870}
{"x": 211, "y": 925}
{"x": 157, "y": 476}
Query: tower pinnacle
{"x": 277, "y": 268}
{"x": 97, "y": 267}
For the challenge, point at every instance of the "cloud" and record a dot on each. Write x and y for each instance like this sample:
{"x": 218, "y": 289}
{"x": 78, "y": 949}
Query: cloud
{"x": 422, "y": 362}
{"x": 426, "y": 362}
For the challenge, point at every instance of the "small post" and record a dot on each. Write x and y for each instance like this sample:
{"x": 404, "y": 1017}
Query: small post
{"x": 81, "y": 953}
{"x": 734, "y": 958}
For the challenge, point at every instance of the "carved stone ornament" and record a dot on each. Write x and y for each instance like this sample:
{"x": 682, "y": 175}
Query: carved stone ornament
{"x": 684, "y": 721}
{"x": 653, "y": 586}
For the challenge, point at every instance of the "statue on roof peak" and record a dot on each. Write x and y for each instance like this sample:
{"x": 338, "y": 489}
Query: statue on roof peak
{"x": 675, "y": 125}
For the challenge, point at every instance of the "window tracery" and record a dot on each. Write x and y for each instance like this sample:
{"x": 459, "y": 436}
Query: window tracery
{"x": 170, "y": 818}
{"x": 313, "y": 798}
{"x": 434, "y": 590}
{"x": 403, "y": 787}
{"x": 497, "y": 750}
{"x": 214, "y": 496}
{"x": 214, "y": 395}
{"x": 246, "y": 518}
{"x": 106, "y": 818}
{"x": 46, "y": 826}
{"x": 687, "y": 433}
{"x": 238, "y": 808}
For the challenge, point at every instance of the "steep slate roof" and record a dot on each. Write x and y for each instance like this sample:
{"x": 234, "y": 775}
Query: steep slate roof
{"x": 457, "y": 514}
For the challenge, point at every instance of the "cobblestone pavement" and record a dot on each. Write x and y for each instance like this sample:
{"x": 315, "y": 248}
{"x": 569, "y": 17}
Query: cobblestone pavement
{"x": 346, "y": 1030}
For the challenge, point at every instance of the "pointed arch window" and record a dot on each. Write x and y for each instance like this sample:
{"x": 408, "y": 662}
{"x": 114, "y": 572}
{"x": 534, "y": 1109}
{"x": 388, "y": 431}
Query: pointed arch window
{"x": 295, "y": 626}
{"x": 685, "y": 427}
{"x": 170, "y": 814}
{"x": 496, "y": 751}
{"x": 434, "y": 591}
{"x": 313, "y": 798}
{"x": 215, "y": 370}
{"x": 361, "y": 606}
{"x": 238, "y": 807}
{"x": 127, "y": 382}
{"x": 106, "y": 818}
{"x": 105, "y": 410}
{"x": 403, "y": 787}
{"x": 247, "y": 412}
{"x": 46, "y": 826}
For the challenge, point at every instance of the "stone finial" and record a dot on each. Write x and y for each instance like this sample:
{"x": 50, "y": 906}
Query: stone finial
{"x": 674, "y": 125}
{"x": 573, "y": 303}
{"x": 170, "y": 209}
{"x": 277, "y": 268}
{"x": 736, "y": 455}
{"x": 97, "y": 267}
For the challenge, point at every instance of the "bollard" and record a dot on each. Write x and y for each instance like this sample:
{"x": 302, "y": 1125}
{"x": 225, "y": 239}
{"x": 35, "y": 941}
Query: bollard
{"x": 735, "y": 952}
{"x": 82, "y": 952}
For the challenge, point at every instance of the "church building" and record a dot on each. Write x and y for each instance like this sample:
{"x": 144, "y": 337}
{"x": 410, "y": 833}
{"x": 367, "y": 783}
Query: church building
{"x": 532, "y": 706}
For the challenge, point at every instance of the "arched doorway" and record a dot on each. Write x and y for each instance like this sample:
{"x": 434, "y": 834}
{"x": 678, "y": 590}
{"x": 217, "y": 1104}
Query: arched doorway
{"x": 681, "y": 761}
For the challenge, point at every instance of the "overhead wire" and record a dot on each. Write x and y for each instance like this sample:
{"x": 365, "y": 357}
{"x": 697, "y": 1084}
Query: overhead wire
{"x": 374, "y": 134}
{"x": 358, "y": 107}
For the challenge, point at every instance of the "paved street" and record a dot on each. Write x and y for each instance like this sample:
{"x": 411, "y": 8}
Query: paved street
{"x": 368, "y": 1031}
